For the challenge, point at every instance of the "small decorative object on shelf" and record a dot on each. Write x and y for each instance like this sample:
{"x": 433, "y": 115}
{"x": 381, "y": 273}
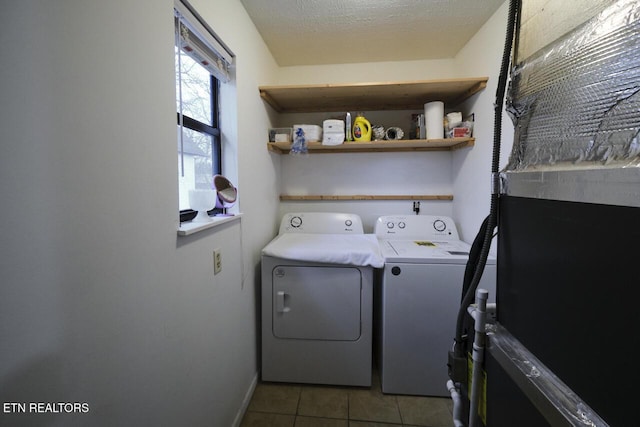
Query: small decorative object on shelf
{"x": 299, "y": 146}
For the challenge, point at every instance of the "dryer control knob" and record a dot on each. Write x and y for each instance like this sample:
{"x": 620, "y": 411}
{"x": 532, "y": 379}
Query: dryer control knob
{"x": 389, "y": 225}
{"x": 296, "y": 222}
{"x": 348, "y": 223}
{"x": 439, "y": 225}
{"x": 402, "y": 224}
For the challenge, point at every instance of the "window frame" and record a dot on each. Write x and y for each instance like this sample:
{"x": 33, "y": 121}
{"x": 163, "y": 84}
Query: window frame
{"x": 213, "y": 130}
{"x": 195, "y": 38}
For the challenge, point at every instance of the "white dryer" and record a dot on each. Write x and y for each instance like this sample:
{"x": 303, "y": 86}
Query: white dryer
{"x": 418, "y": 296}
{"x": 317, "y": 300}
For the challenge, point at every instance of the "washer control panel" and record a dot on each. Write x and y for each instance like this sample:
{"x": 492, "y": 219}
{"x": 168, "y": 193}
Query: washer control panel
{"x": 321, "y": 223}
{"x": 433, "y": 227}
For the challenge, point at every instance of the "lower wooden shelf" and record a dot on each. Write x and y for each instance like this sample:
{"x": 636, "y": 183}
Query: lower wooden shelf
{"x": 316, "y": 197}
{"x": 446, "y": 144}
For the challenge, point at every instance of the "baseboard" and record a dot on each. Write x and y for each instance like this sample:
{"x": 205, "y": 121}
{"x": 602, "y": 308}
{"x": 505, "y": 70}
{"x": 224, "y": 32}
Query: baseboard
{"x": 246, "y": 401}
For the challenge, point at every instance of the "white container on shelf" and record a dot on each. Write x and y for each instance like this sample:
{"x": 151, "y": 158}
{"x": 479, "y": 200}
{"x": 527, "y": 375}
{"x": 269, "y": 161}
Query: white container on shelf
{"x": 333, "y": 132}
{"x": 312, "y": 133}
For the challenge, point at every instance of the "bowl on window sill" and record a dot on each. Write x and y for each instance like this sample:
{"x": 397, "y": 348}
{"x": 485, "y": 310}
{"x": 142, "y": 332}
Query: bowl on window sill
{"x": 202, "y": 201}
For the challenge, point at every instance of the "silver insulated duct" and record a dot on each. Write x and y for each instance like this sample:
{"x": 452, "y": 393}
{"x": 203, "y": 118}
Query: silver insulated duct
{"x": 576, "y": 110}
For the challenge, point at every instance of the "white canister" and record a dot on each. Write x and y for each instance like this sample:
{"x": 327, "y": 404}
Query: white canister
{"x": 434, "y": 119}
{"x": 333, "y": 132}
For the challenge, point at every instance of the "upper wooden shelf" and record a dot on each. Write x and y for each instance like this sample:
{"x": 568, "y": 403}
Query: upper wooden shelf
{"x": 410, "y": 95}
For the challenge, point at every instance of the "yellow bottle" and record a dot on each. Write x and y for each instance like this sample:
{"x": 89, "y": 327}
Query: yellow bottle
{"x": 361, "y": 129}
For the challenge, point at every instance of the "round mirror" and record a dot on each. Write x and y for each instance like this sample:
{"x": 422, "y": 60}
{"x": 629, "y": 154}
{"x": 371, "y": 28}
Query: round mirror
{"x": 227, "y": 193}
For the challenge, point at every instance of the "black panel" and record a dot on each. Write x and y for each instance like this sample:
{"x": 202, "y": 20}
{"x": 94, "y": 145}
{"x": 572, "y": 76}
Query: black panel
{"x": 567, "y": 289}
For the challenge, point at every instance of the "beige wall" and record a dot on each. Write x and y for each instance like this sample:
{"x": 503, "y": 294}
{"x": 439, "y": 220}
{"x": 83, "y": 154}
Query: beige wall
{"x": 101, "y": 301}
{"x": 544, "y": 21}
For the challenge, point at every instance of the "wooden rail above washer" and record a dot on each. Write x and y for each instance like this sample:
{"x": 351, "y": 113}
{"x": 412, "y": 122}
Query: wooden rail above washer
{"x": 317, "y": 197}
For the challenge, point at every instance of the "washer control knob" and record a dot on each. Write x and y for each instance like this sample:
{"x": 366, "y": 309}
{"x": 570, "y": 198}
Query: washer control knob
{"x": 348, "y": 223}
{"x": 396, "y": 271}
{"x": 389, "y": 225}
{"x": 295, "y": 221}
{"x": 401, "y": 224}
{"x": 439, "y": 225}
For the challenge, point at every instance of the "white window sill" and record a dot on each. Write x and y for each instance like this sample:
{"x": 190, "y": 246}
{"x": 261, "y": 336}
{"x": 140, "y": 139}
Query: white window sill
{"x": 189, "y": 227}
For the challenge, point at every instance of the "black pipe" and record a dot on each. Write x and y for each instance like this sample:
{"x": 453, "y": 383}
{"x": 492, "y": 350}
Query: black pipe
{"x": 491, "y": 221}
{"x": 474, "y": 257}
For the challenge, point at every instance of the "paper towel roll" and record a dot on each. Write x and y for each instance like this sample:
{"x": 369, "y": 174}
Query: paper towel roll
{"x": 434, "y": 118}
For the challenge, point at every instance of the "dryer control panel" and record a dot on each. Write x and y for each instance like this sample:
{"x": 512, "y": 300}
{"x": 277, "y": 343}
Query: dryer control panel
{"x": 428, "y": 227}
{"x": 321, "y": 223}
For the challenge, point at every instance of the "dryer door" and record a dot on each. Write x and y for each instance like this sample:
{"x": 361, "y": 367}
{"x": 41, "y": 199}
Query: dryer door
{"x": 316, "y": 302}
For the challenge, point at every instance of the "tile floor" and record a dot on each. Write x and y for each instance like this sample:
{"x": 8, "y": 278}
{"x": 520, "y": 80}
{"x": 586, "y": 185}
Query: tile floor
{"x": 302, "y": 405}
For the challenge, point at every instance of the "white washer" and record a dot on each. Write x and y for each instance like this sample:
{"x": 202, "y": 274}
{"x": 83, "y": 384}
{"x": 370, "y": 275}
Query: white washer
{"x": 317, "y": 300}
{"x": 417, "y": 300}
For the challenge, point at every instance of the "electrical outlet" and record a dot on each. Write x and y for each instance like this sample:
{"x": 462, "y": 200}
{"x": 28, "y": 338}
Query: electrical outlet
{"x": 217, "y": 261}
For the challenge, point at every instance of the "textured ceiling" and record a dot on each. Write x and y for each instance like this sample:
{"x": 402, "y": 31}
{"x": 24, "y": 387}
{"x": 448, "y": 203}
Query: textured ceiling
{"x": 311, "y": 32}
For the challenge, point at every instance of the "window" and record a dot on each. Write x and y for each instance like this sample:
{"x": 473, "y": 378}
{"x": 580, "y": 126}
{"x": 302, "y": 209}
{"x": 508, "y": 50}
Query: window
{"x": 202, "y": 65}
{"x": 198, "y": 133}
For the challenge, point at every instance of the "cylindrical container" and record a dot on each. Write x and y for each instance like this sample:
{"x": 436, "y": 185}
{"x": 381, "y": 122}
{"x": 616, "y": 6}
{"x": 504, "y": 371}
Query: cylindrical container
{"x": 434, "y": 119}
{"x": 361, "y": 129}
{"x": 394, "y": 133}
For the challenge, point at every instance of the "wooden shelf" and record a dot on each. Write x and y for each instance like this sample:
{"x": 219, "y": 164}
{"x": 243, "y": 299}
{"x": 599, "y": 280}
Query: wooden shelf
{"x": 447, "y": 144}
{"x": 317, "y": 197}
{"x": 411, "y": 95}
